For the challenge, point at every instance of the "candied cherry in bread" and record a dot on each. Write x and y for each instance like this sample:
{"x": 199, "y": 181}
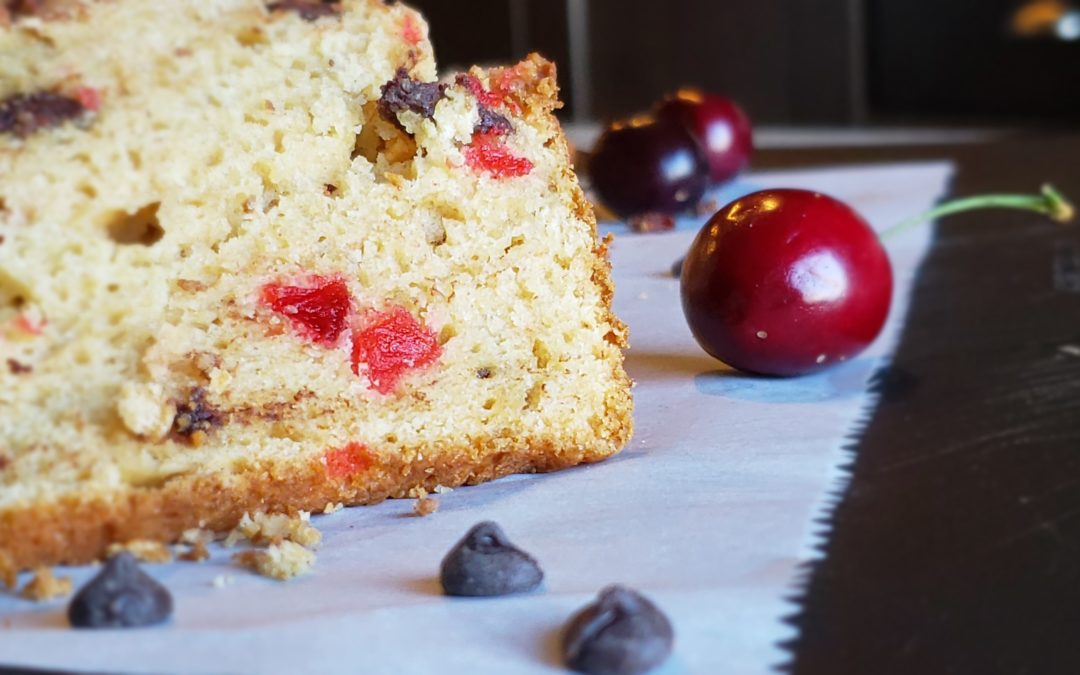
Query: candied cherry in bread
{"x": 391, "y": 344}
{"x": 642, "y": 165}
{"x": 319, "y": 309}
{"x": 489, "y": 153}
{"x": 719, "y": 125}
{"x": 787, "y": 282}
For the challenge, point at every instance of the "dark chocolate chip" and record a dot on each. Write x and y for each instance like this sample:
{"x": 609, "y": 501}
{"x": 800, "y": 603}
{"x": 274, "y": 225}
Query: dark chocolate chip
{"x": 492, "y": 122}
{"x": 24, "y": 114}
{"x": 17, "y": 368}
{"x": 20, "y": 8}
{"x": 195, "y": 415}
{"x": 483, "y": 373}
{"x": 485, "y": 563}
{"x": 622, "y": 633}
{"x": 404, "y": 93}
{"x": 120, "y": 596}
{"x": 309, "y": 10}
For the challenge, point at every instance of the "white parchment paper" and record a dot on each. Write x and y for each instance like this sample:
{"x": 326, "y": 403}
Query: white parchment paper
{"x": 709, "y": 511}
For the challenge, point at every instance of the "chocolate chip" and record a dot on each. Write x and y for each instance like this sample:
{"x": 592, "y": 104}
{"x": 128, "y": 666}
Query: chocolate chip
{"x": 195, "y": 415}
{"x": 622, "y": 633}
{"x": 491, "y": 121}
{"x": 24, "y": 114}
{"x": 17, "y": 368}
{"x": 309, "y": 10}
{"x": 404, "y": 93}
{"x": 483, "y": 373}
{"x": 485, "y": 563}
{"x": 120, "y": 596}
{"x": 19, "y": 8}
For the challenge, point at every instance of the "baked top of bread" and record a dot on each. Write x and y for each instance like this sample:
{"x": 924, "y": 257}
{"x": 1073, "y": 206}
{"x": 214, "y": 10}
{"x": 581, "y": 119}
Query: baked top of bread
{"x": 255, "y": 257}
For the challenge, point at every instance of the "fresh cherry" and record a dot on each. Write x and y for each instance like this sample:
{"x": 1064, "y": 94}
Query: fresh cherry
{"x": 787, "y": 282}
{"x": 720, "y": 125}
{"x": 643, "y": 166}
{"x": 783, "y": 282}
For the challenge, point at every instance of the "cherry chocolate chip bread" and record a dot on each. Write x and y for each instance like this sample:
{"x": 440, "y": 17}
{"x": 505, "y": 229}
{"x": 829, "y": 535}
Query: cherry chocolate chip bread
{"x": 254, "y": 256}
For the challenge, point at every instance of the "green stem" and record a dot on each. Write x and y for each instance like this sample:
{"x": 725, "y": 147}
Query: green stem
{"x": 1049, "y": 202}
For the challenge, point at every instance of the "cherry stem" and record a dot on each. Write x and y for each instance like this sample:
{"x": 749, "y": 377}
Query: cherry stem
{"x": 1049, "y": 202}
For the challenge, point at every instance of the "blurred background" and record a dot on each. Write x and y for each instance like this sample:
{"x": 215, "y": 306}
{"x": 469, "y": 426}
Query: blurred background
{"x": 799, "y": 63}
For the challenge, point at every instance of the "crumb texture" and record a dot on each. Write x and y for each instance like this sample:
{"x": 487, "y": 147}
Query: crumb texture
{"x": 257, "y": 257}
{"x": 281, "y": 561}
{"x": 45, "y": 586}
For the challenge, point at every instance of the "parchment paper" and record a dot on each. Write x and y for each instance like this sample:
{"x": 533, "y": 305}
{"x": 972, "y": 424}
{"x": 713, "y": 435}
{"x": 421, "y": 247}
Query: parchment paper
{"x": 709, "y": 511}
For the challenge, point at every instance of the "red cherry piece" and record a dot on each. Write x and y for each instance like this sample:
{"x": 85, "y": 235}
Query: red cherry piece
{"x": 721, "y": 127}
{"x": 346, "y": 462}
{"x": 644, "y": 166}
{"x": 89, "y": 98}
{"x": 786, "y": 282}
{"x": 319, "y": 310}
{"x": 410, "y": 30}
{"x": 484, "y": 97}
{"x": 489, "y": 153}
{"x": 29, "y": 325}
{"x": 390, "y": 345}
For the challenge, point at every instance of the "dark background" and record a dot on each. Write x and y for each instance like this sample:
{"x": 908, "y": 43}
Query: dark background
{"x": 802, "y": 62}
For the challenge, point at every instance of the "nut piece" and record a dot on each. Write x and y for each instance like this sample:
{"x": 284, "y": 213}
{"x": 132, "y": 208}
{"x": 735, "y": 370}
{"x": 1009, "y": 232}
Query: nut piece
{"x": 120, "y": 596}
{"x": 485, "y": 563}
{"x": 144, "y": 410}
{"x": 622, "y": 633}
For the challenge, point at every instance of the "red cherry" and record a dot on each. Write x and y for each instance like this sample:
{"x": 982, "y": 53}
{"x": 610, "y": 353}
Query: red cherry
{"x": 721, "y": 127}
{"x": 643, "y": 166}
{"x": 786, "y": 282}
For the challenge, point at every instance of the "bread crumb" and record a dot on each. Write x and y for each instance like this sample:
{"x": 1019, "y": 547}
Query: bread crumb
{"x": 443, "y": 490}
{"x": 331, "y": 507}
{"x": 44, "y": 586}
{"x": 9, "y": 574}
{"x": 222, "y": 580}
{"x": 417, "y": 492}
{"x": 271, "y": 529}
{"x": 197, "y": 553}
{"x": 146, "y": 550}
{"x": 196, "y": 535}
{"x": 425, "y": 506}
{"x": 281, "y": 561}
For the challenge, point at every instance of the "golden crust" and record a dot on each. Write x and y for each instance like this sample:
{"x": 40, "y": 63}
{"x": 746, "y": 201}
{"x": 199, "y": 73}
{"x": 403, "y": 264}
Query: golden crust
{"x": 75, "y": 531}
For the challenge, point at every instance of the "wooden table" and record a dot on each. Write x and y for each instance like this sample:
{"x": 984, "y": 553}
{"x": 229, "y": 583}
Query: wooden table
{"x": 956, "y": 547}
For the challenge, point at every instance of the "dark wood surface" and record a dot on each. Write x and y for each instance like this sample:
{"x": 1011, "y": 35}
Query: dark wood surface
{"x": 959, "y": 58}
{"x": 784, "y": 60}
{"x": 956, "y": 546}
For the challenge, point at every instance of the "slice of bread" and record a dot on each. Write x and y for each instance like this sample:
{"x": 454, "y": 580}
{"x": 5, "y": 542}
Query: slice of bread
{"x": 254, "y": 258}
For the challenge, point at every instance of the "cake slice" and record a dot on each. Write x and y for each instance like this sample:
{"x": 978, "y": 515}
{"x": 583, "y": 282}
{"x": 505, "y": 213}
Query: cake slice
{"x": 254, "y": 257}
